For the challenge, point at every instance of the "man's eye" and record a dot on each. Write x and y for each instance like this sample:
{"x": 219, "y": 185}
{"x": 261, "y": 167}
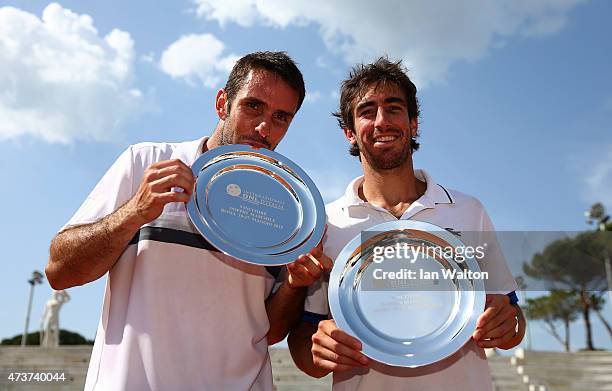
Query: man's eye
{"x": 396, "y": 108}
{"x": 281, "y": 117}
{"x": 253, "y": 105}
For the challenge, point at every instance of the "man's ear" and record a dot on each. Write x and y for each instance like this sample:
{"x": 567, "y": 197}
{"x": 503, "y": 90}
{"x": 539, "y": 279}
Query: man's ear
{"x": 221, "y": 104}
{"x": 414, "y": 127}
{"x": 350, "y": 136}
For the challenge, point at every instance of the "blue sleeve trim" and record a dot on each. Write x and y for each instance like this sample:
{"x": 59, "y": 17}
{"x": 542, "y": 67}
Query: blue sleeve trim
{"x": 312, "y": 318}
{"x": 513, "y": 297}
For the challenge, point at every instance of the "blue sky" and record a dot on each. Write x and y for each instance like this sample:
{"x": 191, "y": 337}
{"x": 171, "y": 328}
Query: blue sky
{"x": 516, "y": 103}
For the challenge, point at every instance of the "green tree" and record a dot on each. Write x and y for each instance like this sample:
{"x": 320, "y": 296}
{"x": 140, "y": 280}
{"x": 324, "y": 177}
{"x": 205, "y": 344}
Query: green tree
{"x": 574, "y": 265}
{"x": 557, "y": 306}
{"x": 598, "y": 303}
{"x": 65, "y": 338}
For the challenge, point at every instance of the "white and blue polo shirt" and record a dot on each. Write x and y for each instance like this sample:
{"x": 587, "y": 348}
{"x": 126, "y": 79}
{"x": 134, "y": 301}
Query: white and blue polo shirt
{"x": 467, "y": 369}
{"x": 177, "y": 313}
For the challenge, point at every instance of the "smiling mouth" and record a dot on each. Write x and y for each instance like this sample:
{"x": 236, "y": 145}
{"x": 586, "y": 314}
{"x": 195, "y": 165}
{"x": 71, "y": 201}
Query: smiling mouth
{"x": 384, "y": 140}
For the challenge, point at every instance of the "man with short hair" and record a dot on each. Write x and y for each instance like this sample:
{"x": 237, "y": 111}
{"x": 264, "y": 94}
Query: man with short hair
{"x": 177, "y": 313}
{"x": 379, "y": 116}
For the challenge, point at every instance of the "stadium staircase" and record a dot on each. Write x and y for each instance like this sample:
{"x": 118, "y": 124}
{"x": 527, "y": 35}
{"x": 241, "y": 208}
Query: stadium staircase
{"x": 525, "y": 371}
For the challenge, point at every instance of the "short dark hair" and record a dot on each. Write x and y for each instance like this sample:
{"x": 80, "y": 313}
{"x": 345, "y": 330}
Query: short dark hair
{"x": 361, "y": 77}
{"x": 276, "y": 62}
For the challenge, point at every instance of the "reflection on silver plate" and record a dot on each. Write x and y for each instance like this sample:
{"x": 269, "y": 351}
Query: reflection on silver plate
{"x": 256, "y": 205}
{"x": 414, "y": 318}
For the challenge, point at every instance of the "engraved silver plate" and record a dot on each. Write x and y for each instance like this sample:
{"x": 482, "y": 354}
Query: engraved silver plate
{"x": 255, "y": 205}
{"x": 413, "y": 316}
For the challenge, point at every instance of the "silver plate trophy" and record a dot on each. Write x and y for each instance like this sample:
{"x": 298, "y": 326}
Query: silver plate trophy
{"x": 408, "y": 307}
{"x": 256, "y": 205}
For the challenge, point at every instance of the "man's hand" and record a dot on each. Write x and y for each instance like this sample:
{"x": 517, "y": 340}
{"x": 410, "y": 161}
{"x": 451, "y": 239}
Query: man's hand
{"x": 308, "y": 268}
{"x": 155, "y": 189}
{"x": 285, "y": 306}
{"x": 334, "y": 350}
{"x": 86, "y": 252}
{"x": 497, "y": 326}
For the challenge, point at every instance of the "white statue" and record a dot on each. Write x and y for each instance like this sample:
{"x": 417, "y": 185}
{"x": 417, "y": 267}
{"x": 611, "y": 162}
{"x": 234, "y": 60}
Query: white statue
{"x": 49, "y": 328}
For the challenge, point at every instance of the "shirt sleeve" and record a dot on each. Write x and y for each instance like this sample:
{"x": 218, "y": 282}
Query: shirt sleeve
{"x": 316, "y": 307}
{"x": 112, "y": 191}
{"x": 280, "y": 273}
{"x": 514, "y": 299}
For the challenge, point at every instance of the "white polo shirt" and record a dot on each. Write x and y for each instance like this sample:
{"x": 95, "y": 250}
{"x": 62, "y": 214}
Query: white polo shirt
{"x": 177, "y": 314}
{"x": 467, "y": 369}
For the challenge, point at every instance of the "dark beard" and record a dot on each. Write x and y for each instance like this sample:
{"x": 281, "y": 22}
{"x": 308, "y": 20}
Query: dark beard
{"x": 256, "y": 139}
{"x": 227, "y": 137}
{"x": 226, "y": 131}
{"x": 386, "y": 161}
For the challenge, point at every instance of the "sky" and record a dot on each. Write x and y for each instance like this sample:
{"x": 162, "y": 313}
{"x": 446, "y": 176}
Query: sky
{"x": 516, "y": 102}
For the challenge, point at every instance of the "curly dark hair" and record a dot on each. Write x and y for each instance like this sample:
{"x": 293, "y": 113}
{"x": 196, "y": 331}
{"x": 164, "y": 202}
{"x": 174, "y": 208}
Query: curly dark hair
{"x": 276, "y": 62}
{"x": 361, "y": 77}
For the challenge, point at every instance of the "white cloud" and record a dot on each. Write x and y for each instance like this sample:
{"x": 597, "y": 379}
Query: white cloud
{"x": 197, "y": 57}
{"x": 60, "y": 80}
{"x": 429, "y": 36}
{"x": 599, "y": 178}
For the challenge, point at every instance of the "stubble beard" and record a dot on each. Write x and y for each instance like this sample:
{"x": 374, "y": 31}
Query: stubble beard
{"x": 386, "y": 160}
{"x": 227, "y": 134}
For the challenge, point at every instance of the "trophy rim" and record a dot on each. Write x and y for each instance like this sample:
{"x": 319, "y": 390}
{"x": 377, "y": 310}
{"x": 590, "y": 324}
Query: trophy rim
{"x": 338, "y": 302}
{"x": 294, "y": 176}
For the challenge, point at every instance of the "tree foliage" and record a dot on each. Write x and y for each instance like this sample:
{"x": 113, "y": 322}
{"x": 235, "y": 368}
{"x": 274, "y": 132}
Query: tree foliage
{"x": 572, "y": 263}
{"x": 65, "y": 338}
{"x": 558, "y": 306}
{"x": 576, "y": 265}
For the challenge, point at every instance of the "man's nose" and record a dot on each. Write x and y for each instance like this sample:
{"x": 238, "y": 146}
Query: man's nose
{"x": 382, "y": 119}
{"x": 263, "y": 129}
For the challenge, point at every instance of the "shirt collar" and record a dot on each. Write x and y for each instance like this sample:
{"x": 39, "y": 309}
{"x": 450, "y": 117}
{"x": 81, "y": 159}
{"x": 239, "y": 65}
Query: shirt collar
{"x": 435, "y": 194}
{"x": 193, "y": 149}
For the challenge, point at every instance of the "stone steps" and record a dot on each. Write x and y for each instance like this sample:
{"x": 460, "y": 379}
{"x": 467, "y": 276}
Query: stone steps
{"x": 32, "y": 356}
{"x": 580, "y": 358}
{"x": 526, "y": 371}
{"x": 303, "y": 387}
{"x": 504, "y": 375}
{"x": 287, "y": 377}
{"x": 557, "y": 371}
{"x": 72, "y": 361}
